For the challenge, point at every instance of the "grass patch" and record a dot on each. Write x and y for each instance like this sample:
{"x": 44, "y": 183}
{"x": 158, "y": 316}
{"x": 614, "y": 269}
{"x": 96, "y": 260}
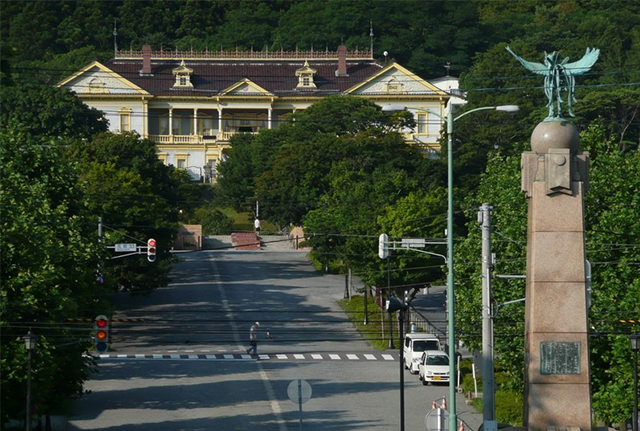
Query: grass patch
{"x": 508, "y": 404}
{"x": 243, "y": 221}
{"x": 372, "y": 332}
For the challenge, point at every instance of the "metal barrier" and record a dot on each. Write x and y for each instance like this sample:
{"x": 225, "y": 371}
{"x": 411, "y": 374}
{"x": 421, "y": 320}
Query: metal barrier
{"x": 423, "y": 324}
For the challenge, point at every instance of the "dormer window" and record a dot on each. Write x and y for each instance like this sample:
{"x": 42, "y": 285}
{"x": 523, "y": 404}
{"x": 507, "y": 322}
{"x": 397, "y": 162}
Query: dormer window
{"x": 183, "y": 76}
{"x": 305, "y": 76}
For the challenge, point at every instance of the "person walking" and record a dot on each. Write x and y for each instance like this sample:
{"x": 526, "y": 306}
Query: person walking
{"x": 253, "y": 339}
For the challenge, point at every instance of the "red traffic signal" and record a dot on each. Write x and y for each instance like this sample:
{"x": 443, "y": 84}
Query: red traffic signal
{"x": 101, "y": 333}
{"x": 151, "y": 250}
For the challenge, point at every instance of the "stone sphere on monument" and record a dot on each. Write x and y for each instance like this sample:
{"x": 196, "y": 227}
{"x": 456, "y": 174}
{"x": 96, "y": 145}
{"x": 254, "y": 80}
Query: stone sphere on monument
{"x": 555, "y": 134}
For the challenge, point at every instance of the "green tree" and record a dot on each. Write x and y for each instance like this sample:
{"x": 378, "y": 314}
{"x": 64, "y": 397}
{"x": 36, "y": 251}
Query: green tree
{"x": 46, "y": 111}
{"x": 138, "y": 197}
{"x": 611, "y": 229}
{"x": 49, "y": 254}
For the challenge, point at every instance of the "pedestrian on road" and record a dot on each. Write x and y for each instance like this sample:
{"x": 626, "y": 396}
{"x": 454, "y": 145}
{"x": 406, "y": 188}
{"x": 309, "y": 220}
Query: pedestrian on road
{"x": 253, "y": 338}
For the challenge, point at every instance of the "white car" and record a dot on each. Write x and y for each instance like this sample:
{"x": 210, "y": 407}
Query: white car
{"x": 434, "y": 367}
{"x": 414, "y": 344}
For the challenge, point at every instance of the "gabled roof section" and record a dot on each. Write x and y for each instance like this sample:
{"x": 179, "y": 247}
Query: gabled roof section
{"x": 245, "y": 87}
{"x": 96, "y": 78}
{"x": 305, "y": 69}
{"x": 411, "y": 83}
{"x": 182, "y": 69}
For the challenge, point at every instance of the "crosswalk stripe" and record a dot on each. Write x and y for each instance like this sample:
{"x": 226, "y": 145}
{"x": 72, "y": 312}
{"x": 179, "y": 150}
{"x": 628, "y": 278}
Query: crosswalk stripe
{"x": 243, "y": 356}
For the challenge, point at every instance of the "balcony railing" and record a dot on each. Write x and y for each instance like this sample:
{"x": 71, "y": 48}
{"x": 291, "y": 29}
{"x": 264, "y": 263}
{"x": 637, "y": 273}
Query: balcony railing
{"x": 224, "y": 137}
{"x": 193, "y": 139}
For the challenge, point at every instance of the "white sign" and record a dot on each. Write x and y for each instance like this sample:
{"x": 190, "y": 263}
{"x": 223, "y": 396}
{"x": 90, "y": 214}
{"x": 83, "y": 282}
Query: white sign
{"x": 437, "y": 420}
{"x": 126, "y": 247}
{"x": 299, "y": 391}
{"x": 414, "y": 242}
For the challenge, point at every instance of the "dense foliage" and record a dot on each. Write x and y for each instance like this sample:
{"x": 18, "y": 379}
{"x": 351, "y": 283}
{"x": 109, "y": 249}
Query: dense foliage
{"x": 49, "y": 255}
{"x": 341, "y": 170}
{"x": 611, "y": 234}
{"x": 59, "y": 172}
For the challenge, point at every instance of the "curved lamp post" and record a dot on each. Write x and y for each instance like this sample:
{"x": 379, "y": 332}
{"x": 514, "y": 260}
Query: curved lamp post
{"x": 29, "y": 345}
{"x": 634, "y": 341}
{"x": 450, "y": 119}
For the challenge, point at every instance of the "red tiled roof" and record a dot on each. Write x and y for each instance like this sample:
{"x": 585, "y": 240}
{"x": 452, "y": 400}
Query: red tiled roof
{"x": 210, "y": 77}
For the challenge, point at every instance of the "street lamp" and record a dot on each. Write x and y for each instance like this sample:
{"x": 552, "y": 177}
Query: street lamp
{"x": 450, "y": 119}
{"x": 393, "y": 305}
{"x": 29, "y": 345}
{"x": 634, "y": 341}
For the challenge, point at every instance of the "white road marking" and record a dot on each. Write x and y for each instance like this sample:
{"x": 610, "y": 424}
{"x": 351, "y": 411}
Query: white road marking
{"x": 281, "y": 356}
{"x": 370, "y": 357}
{"x": 298, "y": 356}
{"x": 316, "y": 356}
{"x": 353, "y": 357}
{"x": 387, "y": 357}
{"x": 273, "y": 401}
{"x": 334, "y": 357}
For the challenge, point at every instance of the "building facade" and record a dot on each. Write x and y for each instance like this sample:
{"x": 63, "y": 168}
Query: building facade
{"x": 192, "y": 103}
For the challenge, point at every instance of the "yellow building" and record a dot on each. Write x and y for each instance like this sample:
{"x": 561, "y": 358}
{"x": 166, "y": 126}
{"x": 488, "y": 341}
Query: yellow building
{"x": 191, "y": 103}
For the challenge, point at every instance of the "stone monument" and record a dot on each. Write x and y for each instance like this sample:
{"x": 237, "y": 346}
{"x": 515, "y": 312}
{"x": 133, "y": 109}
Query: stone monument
{"x": 555, "y": 177}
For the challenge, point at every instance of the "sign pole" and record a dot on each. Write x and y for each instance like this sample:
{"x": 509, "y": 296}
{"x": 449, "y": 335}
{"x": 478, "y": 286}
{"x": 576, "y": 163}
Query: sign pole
{"x": 300, "y": 401}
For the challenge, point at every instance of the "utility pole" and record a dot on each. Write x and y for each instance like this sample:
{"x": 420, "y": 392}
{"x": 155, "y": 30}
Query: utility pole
{"x": 488, "y": 383}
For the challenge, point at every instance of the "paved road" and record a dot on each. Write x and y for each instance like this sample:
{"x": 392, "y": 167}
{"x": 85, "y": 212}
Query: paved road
{"x": 182, "y": 365}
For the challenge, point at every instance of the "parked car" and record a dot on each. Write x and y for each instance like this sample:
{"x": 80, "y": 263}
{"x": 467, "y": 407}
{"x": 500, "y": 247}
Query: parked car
{"x": 433, "y": 367}
{"x": 414, "y": 344}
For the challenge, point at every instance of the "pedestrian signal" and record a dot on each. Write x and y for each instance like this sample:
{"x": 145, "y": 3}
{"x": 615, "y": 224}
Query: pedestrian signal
{"x": 151, "y": 250}
{"x": 101, "y": 333}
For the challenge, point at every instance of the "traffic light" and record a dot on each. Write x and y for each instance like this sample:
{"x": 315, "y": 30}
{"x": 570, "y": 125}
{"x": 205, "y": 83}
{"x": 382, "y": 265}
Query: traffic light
{"x": 101, "y": 333}
{"x": 383, "y": 246}
{"x": 151, "y": 250}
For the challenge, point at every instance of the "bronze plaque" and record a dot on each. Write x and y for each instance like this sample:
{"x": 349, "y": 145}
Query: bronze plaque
{"x": 559, "y": 358}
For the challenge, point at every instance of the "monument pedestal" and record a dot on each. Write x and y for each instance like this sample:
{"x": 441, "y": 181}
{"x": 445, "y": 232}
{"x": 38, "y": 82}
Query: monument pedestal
{"x": 557, "y": 387}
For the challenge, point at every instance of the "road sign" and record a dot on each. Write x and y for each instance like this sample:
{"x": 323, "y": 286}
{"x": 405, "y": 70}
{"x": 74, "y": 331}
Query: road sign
{"x": 437, "y": 420}
{"x": 414, "y": 242}
{"x": 126, "y": 247}
{"x": 299, "y": 391}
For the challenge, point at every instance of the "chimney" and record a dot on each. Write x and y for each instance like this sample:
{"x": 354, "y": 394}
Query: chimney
{"x": 146, "y": 60}
{"x": 342, "y": 61}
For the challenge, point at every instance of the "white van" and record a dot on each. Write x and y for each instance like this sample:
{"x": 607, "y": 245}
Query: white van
{"x": 414, "y": 344}
{"x": 434, "y": 367}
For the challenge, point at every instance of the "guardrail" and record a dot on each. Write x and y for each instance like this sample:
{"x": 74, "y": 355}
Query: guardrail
{"x": 424, "y": 325}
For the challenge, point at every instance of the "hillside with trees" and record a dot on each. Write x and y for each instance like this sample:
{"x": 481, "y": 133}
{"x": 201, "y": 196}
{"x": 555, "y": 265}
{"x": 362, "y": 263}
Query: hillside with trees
{"x": 345, "y": 181}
